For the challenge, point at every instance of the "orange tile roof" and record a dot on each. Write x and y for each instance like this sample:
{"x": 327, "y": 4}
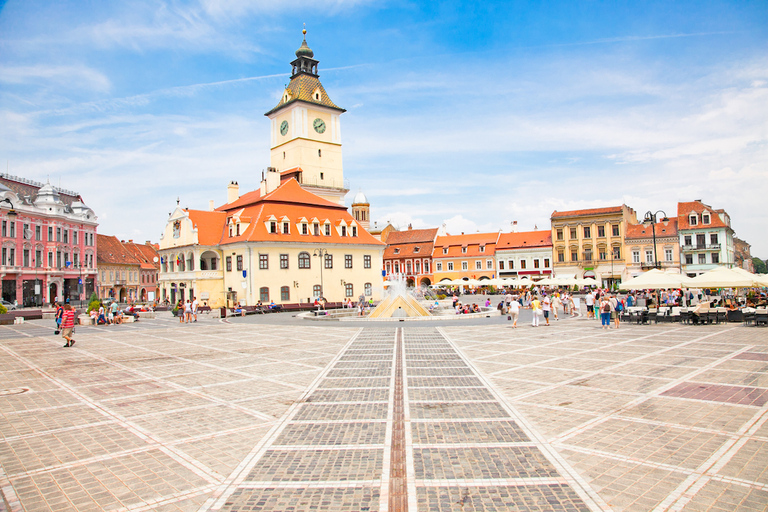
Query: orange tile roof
{"x": 472, "y": 242}
{"x": 524, "y": 239}
{"x": 684, "y": 209}
{"x": 638, "y": 231}
{"x": 110, "y": 251}
{"x": 301, "y": 88}
{"x": 288, "y": 200}
{"x": 210, "y": 225}
{"x": 588, "y": 211}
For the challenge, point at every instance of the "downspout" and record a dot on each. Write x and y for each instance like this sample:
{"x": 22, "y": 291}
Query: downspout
{"x": 250, "y": 269}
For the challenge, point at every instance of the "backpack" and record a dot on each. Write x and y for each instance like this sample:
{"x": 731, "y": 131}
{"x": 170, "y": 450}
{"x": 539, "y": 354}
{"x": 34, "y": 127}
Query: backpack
{"x": 607, "y": 307}
{"x": 619, "y": 306}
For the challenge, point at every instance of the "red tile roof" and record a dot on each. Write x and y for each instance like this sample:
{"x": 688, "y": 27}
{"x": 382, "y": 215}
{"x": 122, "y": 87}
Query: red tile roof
{"x": 472, "y": 242}
{"x": 524, "y": 239}
{"x": 145, "y": 254}
{"x": 412, "y": 236}
{"x": 684, "y": 209}
{"x": 638, "y": 231}
{"x": 111, "y": 251}
{"x": 588, "y": 211}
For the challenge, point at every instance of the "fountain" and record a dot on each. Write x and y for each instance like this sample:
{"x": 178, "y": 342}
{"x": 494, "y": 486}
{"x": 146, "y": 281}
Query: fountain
{"x": 398, "y": 303}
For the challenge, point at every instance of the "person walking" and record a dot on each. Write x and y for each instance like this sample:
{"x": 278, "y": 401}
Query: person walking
{"x": 556, "y": 303}
{"x": 546, "y": 306}
{"x": 58, "y": 317}
{"x": 195, "y": 305}
{"x": 616, "y": 307}
{"x": 68, "y": 324}
{"x": 514, "y": 311}
{"x": 180, "y": 311}
{"x": 605, "y": 312}
{"x": 188, "y": 311}
{"x": 589, "y": 300}
{"x": 535, "y": 308}
{"x": 114, "y": 308}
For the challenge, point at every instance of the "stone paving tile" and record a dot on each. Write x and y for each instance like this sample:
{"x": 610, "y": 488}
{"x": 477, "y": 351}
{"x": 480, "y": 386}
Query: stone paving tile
{"x": 453, "y": 410}
{"x": 363, "y": 364}
{"x": 759, "y": 379}
{"x": 449, "y": 394}
{"x": 513, "y": 388}
{"x": 654, "y": 443}
{"x": 35, "y": 400}
{"x": 580, "y": 398}
{"x": 481, "y": 463}
{"x": 349, "y": 395}
{"x": 436, "y": 382}
{"x": 361, "y": 372}
{"x": 524, "y": 498}
{"x": 715, "y": 416}
{"x": 724, "y": 497}
{"x": 329, "y": 434}
{"x": 41, "y": 421}
{"x": 430, "y": 432}
{"x": 539, "y": 374}
{"x": 276, "y": 499}
{"x": 551, "y": 422}
{"x": 653, "y": 370}
{"x": 252, "y": 388}
{"x": 176, "y": 425}
{"x": 749, "y": 463}
{"x": 354, "y": 383}
{"x": 632, "y": 384}
{"x": 318, "y": 465}
{"x": 153, "y": 403}
{"x": 363, "y": 411}
{"x": 223, "y": 451}
{"x": 718, "y": 393}
{"x": 35, "y": 453}
{"x": 626, "y": 486}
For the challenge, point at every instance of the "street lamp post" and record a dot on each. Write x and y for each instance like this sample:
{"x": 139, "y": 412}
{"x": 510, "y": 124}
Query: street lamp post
{"x": 650, "y": 219}
{"x": 321, "y": 254}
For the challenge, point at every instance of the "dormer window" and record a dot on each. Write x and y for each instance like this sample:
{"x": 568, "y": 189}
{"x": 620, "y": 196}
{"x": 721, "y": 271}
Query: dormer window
{"x": 286, "y": 228}
{"x": 273, "y": 227}
{"x": 316, "y": 95}
{"x": 237, "y": 229}
{"x": 316, "y": 228}
{"x": 705, "y": 218}
{"x": 354, "y": 230}
{"x": 416, "y": 249}
{"x": 397, "y": 250}
{"x": 464, "y": 250}
{"x": 343, "y": 230}
{"x": 482, "y": 248}
{"x": 445, "y": 250}
{"x": 693, "y": 220}
{"x": 304, "y": 230}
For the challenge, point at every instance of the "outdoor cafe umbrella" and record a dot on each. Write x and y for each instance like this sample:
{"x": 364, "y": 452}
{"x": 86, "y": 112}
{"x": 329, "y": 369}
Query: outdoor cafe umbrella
{"x": 655, "y": 279}
{"x": 722, "y": 277}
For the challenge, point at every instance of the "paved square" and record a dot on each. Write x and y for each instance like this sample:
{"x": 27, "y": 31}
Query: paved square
{"x": 276, "y": 414}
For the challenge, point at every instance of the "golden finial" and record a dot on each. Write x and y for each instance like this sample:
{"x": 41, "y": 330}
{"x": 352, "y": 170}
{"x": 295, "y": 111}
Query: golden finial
{"x": 304, "y": 31}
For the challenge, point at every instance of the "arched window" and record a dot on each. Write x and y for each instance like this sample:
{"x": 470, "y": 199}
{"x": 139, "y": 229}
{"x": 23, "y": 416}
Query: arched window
{"x": 304, "y": 260}
{"x": 368, "y": 289}
{"x": 264, "y": 294}
{"x": 316, "y": 291}
{"x": 285, "y": 294}
{"x": 349, "y": 289}
{"x": 191, "y": 262}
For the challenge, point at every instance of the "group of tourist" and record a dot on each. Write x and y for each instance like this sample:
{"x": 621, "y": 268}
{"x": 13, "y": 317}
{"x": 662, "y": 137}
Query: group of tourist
{"x": 186, "y": 311}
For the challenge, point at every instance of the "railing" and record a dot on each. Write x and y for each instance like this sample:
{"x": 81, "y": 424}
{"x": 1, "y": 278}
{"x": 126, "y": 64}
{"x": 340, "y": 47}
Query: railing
{"x": 714, "y": 247}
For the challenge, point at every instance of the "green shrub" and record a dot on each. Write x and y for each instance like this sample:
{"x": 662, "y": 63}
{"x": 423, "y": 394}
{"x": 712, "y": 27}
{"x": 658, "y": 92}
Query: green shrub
{"x": 3, "y": 310}
{"x": 94, "y": 296}
{"x": 94, "y": 304}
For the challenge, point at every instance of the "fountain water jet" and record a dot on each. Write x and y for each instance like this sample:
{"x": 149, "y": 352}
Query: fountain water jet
{"x": 398, "y": 302}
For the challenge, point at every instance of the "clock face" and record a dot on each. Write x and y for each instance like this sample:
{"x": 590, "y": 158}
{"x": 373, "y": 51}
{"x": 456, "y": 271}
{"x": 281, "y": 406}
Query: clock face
{"x": 283, "y": 127}
{"x": 319, "y": 125}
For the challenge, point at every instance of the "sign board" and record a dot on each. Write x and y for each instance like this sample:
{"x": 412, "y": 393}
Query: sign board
{"x": 37, "y": 289}
{"x": 244, "y": 284}
{"x": 151, "y": 296}
{"x": 205, "y": 296}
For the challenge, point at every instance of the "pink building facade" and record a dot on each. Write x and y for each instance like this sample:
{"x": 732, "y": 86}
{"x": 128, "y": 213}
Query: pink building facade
{"x": 47, "y": 243}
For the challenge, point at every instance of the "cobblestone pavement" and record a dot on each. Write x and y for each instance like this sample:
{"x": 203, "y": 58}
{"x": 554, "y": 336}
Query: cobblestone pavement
{"x": 284, "y": 415}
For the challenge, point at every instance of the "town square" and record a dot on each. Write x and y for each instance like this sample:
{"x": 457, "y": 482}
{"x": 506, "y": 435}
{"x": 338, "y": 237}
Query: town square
{"x": 349, "y": 256}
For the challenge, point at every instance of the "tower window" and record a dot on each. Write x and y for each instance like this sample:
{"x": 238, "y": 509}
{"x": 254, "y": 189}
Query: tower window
{"x": 283, "y": 155}
{"x": 319, "y": 152}
{"x": 317, "y": 96}
{"x": 321, "y": 175}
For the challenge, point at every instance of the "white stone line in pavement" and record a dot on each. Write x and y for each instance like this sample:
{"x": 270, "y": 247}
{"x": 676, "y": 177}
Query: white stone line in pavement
{"x": 331, "y": 422}
{"x": 240, "y": 473}
{"x": 410, "y": 465}
{"x": 590, "y": 497}
{"x": 687, "y": 489}
{"x": 180, "y": 457}
{"x": 325, "y": 447}
{"x": 17, "y": 331}
{"x": 39, "y": 409}
{"x": 601, "y": 418}
{"x": 166, "y": 500}
{"x": 502, "y": 444}
{"x": 386, "y": 466}
{"x": 492, "y": 482}
{"x": 460, "y": 420}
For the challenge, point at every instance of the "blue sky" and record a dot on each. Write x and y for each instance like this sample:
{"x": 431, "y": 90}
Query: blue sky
{"x": 468, "y": 114}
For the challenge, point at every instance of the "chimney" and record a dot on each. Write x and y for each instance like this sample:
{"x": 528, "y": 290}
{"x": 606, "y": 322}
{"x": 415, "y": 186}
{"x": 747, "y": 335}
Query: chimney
{"x": 210, "y": 205}
{"x": 130, "y": 241}
{"x": 233, "y": 192}
{"x": 514, "y": 226}
{"x": 148, "y": 242}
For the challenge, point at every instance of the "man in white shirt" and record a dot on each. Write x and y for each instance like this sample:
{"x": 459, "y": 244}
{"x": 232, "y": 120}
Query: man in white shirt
{"x": 589, "y": 300}
{"x": 194, "y": 307}
{"x": 546, "y": 304}
{"x": 514, "y": 311}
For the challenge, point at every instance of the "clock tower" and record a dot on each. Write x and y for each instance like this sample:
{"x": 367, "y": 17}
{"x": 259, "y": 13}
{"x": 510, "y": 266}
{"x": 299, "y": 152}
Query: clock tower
{"x": 306, "y": 133}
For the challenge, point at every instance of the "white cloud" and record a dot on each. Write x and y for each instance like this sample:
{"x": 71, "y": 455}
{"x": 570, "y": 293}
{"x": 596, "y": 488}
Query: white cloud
{"x": 69, "y": 77}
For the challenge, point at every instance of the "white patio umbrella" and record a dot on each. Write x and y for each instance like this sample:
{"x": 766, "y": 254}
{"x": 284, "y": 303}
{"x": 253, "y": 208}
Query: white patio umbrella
{"x": 722, "y": 277}
{"x": 586, "y": 281}
{"x": 656, "y": 279}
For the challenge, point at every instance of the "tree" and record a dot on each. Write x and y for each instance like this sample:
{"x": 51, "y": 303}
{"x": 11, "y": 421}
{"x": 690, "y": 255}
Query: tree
{"x": 760, "y": 266}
